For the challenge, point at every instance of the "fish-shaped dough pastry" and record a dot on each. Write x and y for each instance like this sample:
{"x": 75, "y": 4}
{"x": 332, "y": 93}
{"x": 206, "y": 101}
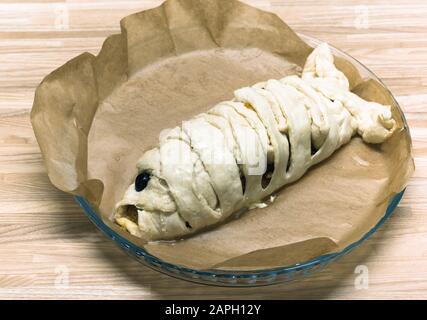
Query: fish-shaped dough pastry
{"x": 241, "y": 151}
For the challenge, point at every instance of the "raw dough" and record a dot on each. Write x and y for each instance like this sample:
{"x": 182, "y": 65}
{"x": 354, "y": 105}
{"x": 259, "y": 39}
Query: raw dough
{"x": 240, "y": 151}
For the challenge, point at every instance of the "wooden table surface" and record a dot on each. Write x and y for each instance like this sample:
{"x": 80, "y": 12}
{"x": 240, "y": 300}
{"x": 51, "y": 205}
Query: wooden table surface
{"x": 49, "y": 249}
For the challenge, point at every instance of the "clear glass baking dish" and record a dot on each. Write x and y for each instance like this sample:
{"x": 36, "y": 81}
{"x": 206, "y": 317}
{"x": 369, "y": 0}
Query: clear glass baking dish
{"x": 246, "y": 278}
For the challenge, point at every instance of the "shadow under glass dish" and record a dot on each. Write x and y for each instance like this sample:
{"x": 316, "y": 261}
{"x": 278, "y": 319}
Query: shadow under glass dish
{"x": 247, "y": 278}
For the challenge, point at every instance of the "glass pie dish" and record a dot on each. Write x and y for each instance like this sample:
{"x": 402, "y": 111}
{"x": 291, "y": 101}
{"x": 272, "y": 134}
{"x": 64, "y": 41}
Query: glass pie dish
{"x": 244, "y": 277}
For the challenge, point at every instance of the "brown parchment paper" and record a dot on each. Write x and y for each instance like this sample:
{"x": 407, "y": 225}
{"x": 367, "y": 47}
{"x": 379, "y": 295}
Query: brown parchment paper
{"x": 95, "y": 116}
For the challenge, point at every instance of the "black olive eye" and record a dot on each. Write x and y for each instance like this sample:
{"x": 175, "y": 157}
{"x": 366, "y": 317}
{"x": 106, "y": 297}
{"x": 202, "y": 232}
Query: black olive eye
{"x": 141, "y": 181}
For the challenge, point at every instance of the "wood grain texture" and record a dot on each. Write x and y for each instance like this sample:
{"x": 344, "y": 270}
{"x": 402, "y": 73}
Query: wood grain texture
{"x": 44, "y": 235}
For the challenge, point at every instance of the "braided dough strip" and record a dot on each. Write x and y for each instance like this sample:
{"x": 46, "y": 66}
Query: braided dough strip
{"x": 241, "y": 151}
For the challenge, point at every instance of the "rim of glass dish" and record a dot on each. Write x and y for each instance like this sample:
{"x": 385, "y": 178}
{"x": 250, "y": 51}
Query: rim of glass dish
{"x": 235, "y": 274}
{"x": 256, "y": 273}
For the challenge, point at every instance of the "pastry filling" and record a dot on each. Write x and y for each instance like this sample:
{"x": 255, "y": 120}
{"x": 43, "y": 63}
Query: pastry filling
{"x": 130, "y": 212}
